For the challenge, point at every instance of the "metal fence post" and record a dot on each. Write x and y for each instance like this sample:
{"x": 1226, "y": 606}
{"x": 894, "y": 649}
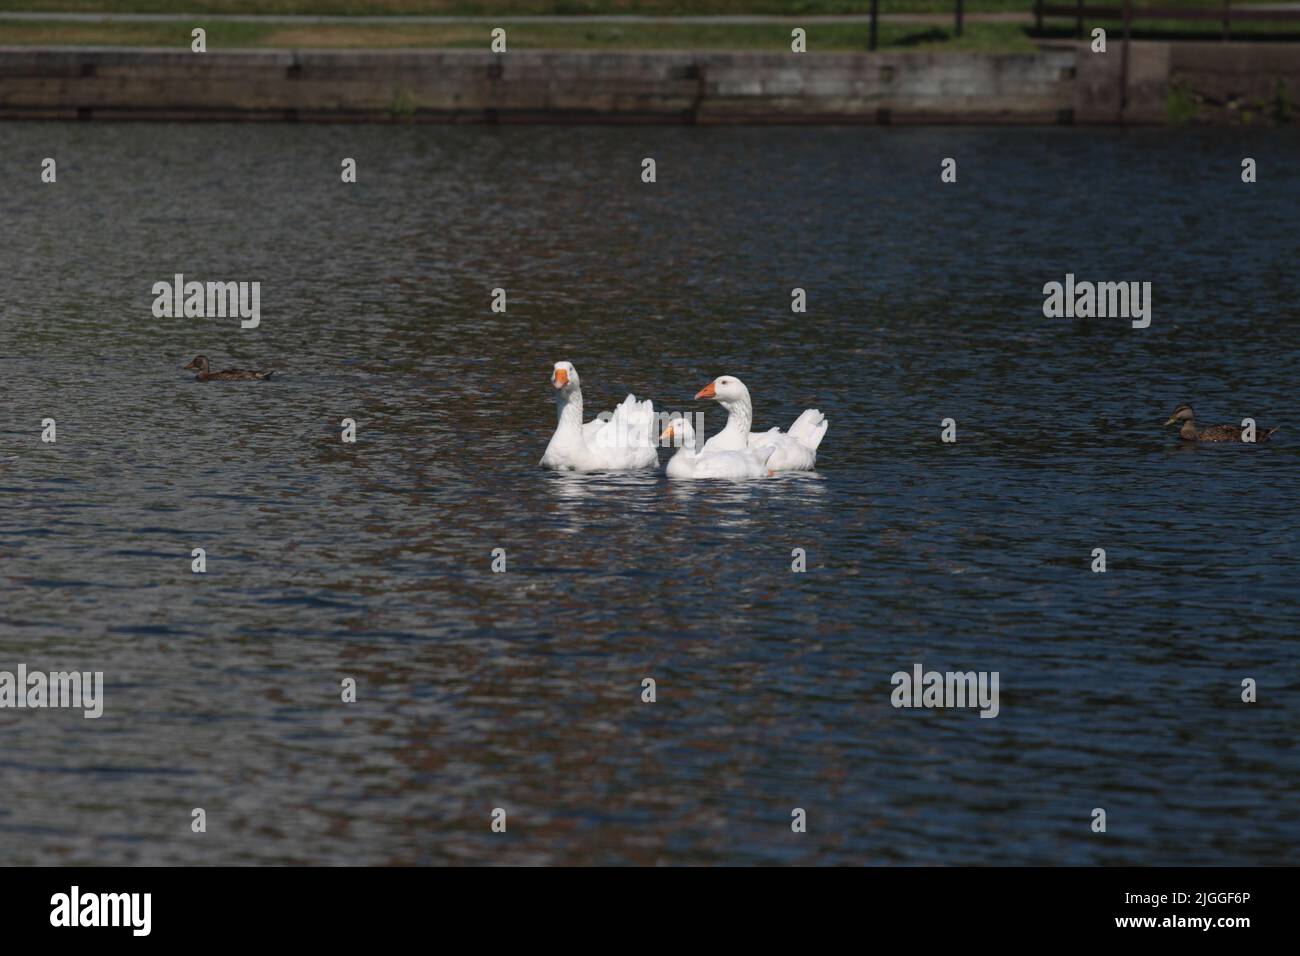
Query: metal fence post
{"x": 1123, "y": 63}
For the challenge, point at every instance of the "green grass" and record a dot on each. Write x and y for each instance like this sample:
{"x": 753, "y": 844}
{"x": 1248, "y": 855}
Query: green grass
{"x": 1055, "y": 27}
{"x": 827, "y": 38}
{"x": 988, "y": 37}
{"x": 508, "y": 7}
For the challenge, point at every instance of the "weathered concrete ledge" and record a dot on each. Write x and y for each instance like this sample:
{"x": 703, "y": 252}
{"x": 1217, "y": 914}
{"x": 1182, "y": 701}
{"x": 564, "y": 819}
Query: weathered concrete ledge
{"x": 1066, "y": 83}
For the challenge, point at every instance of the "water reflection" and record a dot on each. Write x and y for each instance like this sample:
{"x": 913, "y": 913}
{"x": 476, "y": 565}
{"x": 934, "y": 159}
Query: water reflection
{"x": 477, "y": 689}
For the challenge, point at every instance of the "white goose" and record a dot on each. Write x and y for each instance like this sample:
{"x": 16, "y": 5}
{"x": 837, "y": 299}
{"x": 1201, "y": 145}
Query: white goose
{"x": 690, "y": 463}
{"x": 612, "y": 442}
{"x": 796, "y": 450}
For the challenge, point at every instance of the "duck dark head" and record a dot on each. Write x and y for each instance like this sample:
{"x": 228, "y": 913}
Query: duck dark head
{"x": 1183, "y": 413}
{"x": 200, "y": 363}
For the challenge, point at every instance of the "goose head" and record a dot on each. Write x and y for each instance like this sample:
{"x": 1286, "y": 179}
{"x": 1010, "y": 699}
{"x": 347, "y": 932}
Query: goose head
{"x": 199, "y": 363}
{"x": 725, "y": 390}
{"x": 680, "y": 433}
{"x": 565, "y": 377}
{"x": 1183, "y": 413}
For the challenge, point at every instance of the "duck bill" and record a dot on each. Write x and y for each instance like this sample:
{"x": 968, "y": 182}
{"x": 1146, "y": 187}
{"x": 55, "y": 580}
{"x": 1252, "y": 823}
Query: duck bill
{"x": 708, "y": 391}
{"x": 1171, "y": 422}
{"x": 190, "y": 366}
{"x": 560, "y": 378}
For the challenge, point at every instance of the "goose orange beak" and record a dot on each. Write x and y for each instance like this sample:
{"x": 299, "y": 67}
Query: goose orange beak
{"x": 708, "y": 391}
{"x": 667, "y": 433}
{"x": 560, "y": 378}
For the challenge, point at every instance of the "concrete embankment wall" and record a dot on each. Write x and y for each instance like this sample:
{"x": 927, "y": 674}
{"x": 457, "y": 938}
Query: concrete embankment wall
{"x": 1067, "y": 83}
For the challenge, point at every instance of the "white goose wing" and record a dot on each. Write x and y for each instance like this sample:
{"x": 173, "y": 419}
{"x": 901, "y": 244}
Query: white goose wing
{"x": 625, "y": 439}
{"x": 795, "y": 450}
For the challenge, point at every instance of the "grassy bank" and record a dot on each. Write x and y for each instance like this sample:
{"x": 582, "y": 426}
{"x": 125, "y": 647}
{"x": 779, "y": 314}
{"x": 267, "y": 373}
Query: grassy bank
{"x": 990, "y": 37}
{"x": 559, "y": 35}
{"x": 559, "y": 8}
{"x": 562, "y": 8}
{"x": 506, "y": 8}
{"x": 509, "y": 7}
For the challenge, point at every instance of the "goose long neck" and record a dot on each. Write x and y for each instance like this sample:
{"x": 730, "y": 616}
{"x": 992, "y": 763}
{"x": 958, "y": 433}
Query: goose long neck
{"x": 569, "y": 407}
{"x": 740, "y": 415}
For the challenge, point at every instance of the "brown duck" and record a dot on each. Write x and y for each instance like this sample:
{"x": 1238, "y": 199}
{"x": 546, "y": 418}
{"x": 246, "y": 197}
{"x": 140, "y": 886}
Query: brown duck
{"x": 1189, "y": 431}
{"x": 200, "y": 364}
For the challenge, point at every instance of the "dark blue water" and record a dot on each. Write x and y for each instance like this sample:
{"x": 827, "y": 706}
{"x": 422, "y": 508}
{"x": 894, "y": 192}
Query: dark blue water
{"x": 522, "y": 690}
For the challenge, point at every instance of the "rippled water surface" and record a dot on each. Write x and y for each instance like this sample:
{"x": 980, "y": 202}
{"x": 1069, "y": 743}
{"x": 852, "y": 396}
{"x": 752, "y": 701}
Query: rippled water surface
{"x": 522, "y": 690}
